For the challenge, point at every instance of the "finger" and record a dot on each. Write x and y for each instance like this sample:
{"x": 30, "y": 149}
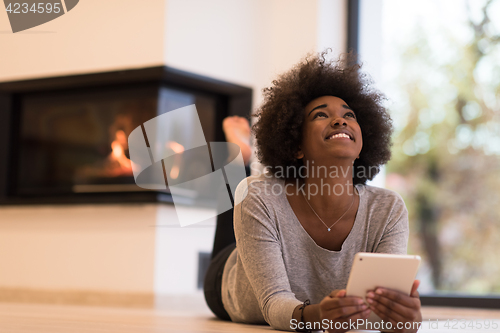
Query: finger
{"x": 389, "y": 306}
{"x": 330, "y": 304}
{"x": 341, "y": 293}
{"x": 386, "y": 313}
{"x": 338, "y": 293}
{"x": 385, "y": 318}
{"x": 414, "y": 292}
{"x": 396, "y": 296}
{"x": 347, "y": 311}
{"x": 360, "y": 315}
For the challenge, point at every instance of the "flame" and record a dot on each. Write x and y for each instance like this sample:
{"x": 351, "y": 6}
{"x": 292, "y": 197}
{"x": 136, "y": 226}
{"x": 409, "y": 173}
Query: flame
{"x": 116, "y": 163}
{"x": 177, "y": 148}
{"x": 117, "y": 150}
{"x": 120, "y": 164}
{"x": 174, "y": 172}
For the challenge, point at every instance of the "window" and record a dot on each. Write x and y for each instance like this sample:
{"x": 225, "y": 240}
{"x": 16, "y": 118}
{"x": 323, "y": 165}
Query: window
{"x": 438, "y": 62}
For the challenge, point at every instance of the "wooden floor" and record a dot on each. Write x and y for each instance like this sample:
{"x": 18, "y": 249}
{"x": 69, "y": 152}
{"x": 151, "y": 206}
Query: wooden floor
{"x": 176, "y": 315}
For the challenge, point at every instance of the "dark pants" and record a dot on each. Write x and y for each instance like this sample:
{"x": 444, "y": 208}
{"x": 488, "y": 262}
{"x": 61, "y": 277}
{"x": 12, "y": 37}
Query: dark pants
{"x": 224, "y": 244}
{"x": 213, "y": 282}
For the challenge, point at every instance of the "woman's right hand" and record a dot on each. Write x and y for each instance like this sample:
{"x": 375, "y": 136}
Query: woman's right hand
{"x": 336, "y": 307}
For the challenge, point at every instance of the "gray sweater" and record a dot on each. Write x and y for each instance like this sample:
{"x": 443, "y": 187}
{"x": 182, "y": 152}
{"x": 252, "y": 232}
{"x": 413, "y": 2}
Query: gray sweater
{"x": 277, "y": 265}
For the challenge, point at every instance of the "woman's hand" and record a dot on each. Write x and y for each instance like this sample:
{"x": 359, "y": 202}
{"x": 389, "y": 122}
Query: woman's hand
{"x": 336, "y": 307}
{"x": 397, "y": 308}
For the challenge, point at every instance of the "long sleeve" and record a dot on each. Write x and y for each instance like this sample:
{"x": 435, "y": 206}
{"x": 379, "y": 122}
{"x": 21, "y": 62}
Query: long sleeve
{"x": 262, "y": 259}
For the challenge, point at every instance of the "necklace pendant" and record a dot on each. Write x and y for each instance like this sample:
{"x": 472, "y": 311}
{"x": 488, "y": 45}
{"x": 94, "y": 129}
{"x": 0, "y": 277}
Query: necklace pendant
{"x": 328, "y": 229}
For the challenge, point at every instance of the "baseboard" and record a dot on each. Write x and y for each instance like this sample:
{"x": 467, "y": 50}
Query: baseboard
{"x": 73, "y": 297}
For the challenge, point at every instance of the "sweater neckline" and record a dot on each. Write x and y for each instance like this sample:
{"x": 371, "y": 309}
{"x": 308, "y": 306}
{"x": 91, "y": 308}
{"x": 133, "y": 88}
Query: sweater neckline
{"x": 348, "y": 242}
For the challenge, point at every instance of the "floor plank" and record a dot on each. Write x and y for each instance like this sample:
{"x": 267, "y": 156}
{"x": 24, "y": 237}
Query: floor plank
{"x": 179, "y": 314}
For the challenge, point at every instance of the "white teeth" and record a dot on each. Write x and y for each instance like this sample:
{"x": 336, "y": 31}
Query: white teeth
{"x": 339, "y": 135}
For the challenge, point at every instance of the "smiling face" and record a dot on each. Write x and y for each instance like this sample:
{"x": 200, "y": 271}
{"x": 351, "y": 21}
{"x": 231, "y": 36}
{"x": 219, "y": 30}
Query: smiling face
{"x": 330, "y": 129}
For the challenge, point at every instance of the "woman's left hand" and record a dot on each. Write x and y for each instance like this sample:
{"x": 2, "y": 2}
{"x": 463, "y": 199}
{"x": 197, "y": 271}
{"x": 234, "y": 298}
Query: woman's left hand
{"x": 396, "y": 307}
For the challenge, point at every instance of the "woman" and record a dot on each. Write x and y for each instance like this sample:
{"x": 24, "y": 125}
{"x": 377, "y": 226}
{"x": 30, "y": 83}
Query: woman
{"x": 322, "y": 133}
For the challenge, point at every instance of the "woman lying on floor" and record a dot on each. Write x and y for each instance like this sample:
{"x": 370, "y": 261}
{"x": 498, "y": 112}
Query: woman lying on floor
{"x": 322, "y": 132}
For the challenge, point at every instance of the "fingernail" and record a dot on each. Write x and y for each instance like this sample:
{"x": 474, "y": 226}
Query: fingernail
{"x": 379, "y": 291}
{"x": 360, "y": 301}
{"x": 364, "y": 307}
{"x": 370, "y": 294}
{"x": 369, "y": 300}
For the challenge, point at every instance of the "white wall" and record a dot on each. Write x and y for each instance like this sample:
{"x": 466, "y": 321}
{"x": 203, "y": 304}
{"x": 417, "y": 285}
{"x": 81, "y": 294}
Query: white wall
{"x": 246, "y": 41}
{"x": 332, "y": 19}
{"x": 176, "y": 252}
{"x": 100, "y": 248}
{"x": 94, "y": 36}
{"x": 250, "y": 42}
{"x": 134, "y": 248}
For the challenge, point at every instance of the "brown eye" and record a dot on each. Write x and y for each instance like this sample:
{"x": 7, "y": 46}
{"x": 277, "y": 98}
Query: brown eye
{"x": 322, "y": 114}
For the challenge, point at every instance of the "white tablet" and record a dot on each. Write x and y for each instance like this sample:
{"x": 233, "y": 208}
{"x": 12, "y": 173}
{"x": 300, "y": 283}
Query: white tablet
{"x": 372, "y": 270}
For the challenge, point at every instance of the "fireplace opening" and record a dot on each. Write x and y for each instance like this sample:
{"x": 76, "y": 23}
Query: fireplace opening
{"x": 67, "y": 137}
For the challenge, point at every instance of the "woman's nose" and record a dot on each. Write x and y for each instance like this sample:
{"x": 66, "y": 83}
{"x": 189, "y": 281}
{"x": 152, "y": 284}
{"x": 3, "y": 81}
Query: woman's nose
{"x": 338, "y": 122}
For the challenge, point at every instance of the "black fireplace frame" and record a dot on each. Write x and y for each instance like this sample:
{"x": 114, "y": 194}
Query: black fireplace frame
{"x": 232, "y": 99}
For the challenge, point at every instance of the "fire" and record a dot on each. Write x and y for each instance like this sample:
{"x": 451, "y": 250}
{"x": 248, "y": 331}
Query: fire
{"x": 120, "y": 165}
{"x": 116, "y": 163}
{"x": 177, "y": 148}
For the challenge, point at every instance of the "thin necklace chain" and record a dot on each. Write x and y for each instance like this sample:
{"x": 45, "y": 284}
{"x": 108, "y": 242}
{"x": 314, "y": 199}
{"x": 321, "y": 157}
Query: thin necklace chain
{"x": 329, "y": 228}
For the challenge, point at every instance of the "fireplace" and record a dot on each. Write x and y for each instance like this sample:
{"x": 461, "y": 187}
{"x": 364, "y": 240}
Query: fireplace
{"x": 64, "y": 139}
